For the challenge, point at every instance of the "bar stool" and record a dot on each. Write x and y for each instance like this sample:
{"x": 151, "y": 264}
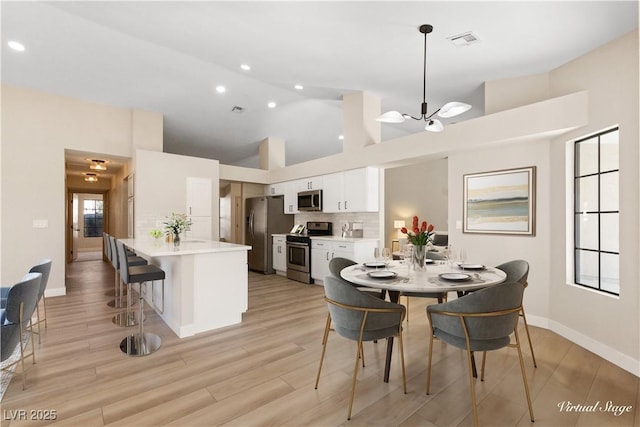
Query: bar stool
{"x": 118, "y": 301}
{"x": 141, "y": 343}
{"x": 127, "y": 317}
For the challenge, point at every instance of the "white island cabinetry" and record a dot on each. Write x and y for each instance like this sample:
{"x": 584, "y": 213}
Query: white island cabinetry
{"x": 206, "y": 285}
{"x": 324, "y": 249}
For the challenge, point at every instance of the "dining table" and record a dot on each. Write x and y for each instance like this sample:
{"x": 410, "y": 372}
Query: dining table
{"x": 397, "y": 277}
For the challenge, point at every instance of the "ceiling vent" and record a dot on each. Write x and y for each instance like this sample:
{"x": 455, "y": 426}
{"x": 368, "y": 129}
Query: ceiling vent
{"x": 237, "y": 109}
{"x": 464, "y": 39}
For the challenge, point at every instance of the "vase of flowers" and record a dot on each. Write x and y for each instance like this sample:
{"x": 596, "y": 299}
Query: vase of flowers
{"x": 420, "y": 235}
{"x": 176, "y": 224}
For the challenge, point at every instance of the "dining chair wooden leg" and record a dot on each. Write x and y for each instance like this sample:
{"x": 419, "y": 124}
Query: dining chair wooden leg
{"x": 362, "y": 354}
{"x": 407, "y": 309}
{"x": 324, "y": 348}
{"x": 404, "y": 373}
{"x": 429, "y": 366}
{"x": 38, "y": 320}
{"x": 472, "y": 389}
{"x": 353, "y": 380}
{"x": 526, "y": 328}
{"x": 524, "y": 374}
{"x": 484, "y": 359}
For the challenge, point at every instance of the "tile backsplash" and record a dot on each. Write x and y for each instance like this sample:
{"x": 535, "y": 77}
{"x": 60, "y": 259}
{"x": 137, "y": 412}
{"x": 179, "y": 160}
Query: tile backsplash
{"x": 370, "y": 221}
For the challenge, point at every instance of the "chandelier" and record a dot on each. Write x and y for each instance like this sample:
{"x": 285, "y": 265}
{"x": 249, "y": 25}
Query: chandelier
{"x": 450, "y": 109}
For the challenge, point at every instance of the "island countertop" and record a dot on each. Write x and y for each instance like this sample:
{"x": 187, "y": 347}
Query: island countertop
{"x": 152, "y": 248}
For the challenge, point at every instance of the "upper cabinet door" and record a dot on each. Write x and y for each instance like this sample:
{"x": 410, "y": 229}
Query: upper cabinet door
{"x": 312, "y": 183}
{"x": 198, "y": 196}
{"x": 361, "y": 190}
{"x": 277, "y": 189}
{"x": 333, "y": 192}
{"x": 291, "y": 197}
{"x": 351, "y": 191}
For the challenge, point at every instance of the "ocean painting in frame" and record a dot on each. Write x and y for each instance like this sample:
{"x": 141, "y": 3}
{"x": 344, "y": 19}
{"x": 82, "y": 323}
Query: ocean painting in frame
{"x": 500, "y": 202}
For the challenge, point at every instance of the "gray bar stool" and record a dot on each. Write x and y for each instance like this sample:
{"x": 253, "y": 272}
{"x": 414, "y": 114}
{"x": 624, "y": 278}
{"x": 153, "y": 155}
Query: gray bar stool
{"x": 127, "y": 317}
{"x": 141, "y": 343}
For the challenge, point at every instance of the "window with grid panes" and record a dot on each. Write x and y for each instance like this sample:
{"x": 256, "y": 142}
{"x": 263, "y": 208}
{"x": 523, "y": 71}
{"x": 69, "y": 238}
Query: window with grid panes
{"x": 596, "y": 212}
{"x": 92, "y": 218}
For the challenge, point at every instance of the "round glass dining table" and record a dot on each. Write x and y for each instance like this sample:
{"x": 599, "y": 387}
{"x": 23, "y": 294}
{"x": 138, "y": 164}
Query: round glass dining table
{"x": 438, "y": 277}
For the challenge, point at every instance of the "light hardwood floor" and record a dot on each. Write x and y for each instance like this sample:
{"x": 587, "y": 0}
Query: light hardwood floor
{"x": 262, "y": 371}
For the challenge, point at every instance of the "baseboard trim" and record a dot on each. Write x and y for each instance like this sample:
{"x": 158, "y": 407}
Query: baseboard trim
{"x": 619, "y": 359}
{"x": 55, "y": 292}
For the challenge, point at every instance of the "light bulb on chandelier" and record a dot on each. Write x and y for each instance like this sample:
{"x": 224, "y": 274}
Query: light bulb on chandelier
{"x": 450, "y": 109}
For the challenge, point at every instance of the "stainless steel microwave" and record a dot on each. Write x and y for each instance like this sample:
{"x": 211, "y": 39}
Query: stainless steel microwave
{"x": 309, "y": 201}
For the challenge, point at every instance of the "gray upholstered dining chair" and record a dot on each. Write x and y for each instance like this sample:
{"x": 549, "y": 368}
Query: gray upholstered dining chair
{"x": 15, "y": 317}
{"x": 337, "y": 264}
{"x": 480, "y": 321}
{"x": 518, "y": 271}
{"x": 360, "y": 317}
{"x": 43, "y": 267}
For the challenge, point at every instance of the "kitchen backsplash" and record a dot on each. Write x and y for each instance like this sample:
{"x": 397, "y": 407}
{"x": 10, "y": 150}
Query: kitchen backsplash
{"x": 370, "y": 221}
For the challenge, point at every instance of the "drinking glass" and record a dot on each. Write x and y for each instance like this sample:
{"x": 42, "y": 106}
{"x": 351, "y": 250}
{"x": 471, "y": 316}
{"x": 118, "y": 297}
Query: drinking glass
{"x": 463, "y": 257}
{"x": 377, "y": 254}
{"x": 449, "y": 255}
{"x": 407, "y": 254}
{"x": 386, "y": 254}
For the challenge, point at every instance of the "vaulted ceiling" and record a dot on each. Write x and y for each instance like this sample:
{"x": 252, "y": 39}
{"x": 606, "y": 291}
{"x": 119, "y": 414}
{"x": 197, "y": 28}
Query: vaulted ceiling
{"x": 170, "y": 56}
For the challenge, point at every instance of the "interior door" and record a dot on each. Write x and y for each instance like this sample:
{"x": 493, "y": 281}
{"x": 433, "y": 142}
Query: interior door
{"x": 75, "y": 227}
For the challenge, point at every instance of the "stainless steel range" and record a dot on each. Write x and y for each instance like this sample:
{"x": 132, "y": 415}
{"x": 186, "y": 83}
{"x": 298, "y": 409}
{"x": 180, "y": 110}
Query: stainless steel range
{"x": 299, "y": 251}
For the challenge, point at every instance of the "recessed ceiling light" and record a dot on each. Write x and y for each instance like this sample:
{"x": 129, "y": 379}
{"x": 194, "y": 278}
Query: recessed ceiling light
{"x": 17, "y": 46}
{"x": 340, "y": 137}
{"x": 221, "y": 89}
{"x": 299, "y": 87}
{"x": 271, "y": 104}
{"x": 245, "y": 67}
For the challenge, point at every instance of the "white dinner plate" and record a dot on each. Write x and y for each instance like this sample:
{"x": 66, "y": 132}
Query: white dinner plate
{"x": 455, "y": 277}
{"x": 374, "y": 264}
{"x": 382, "y": 274}
{"x": 472, "y": 266}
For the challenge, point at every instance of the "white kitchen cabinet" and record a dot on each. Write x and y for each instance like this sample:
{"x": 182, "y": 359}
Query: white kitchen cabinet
{"x": 291, "y": 197}
{"x": 280, "y": 254}
{"x": 351, "y": 191}
{"x": 323, "y": 250}
{"x": 277, "y": 189}
{"x": 312, "y": 183}
{"x": 198, "y": 207}
{"x": 198, "y": 196}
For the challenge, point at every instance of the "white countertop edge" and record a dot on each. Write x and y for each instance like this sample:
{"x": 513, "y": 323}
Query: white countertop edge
{"x": 344, "y": 239}
{"x": 187, "y": 247}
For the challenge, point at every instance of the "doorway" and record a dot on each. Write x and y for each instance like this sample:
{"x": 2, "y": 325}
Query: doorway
{"x": 86, "y": 220}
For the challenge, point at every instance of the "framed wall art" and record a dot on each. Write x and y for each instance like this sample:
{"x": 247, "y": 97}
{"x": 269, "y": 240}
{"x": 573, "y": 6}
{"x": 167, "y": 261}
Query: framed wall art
{"x": 500, "y": 202}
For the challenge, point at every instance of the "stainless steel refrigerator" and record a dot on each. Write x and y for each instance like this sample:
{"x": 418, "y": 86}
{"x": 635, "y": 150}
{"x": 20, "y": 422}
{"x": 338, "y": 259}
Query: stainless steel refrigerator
{"x": 264, "y": 217}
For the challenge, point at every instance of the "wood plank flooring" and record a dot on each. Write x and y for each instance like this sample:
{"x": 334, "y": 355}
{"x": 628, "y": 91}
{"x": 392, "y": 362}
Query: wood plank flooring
{"x": 262, "y": 371}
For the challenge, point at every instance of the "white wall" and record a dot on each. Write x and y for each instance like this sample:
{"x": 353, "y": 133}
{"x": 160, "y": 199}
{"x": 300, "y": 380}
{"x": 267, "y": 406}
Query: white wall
{"x": 160, "y": 188}
{"x": 602, "y": 324}
{"x": 36, "y": 129}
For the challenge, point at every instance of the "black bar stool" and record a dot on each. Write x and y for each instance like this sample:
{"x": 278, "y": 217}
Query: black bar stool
{"x": 127, "y": 317}
{"x": 141, "y": 343}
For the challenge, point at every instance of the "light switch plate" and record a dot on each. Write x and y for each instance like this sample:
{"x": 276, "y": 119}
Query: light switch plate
{"x": 458, "y": 225}
{"x": 40, "y": 223}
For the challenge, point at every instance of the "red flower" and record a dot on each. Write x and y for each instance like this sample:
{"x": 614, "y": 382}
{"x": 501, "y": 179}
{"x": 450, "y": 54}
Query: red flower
{"x": 419, "y": 233}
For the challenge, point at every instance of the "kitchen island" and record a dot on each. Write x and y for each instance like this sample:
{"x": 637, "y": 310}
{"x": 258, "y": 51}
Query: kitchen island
{"x": 206, "y": 285}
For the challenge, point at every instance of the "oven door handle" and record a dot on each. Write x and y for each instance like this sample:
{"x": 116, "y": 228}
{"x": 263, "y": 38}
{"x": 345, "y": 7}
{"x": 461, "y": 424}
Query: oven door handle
{"x": 298, "y": 245}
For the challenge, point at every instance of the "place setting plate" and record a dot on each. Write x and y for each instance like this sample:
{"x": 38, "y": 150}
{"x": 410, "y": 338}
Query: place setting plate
{"x": 472, "y": 266}
{"x": 382, "y": 274}
{"x": 374, "y": 264}
{"x": 454, "y": 277}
